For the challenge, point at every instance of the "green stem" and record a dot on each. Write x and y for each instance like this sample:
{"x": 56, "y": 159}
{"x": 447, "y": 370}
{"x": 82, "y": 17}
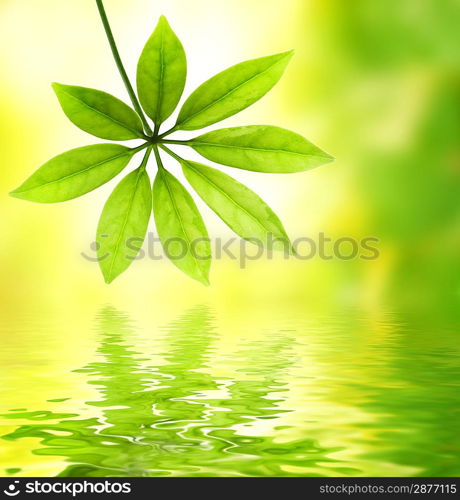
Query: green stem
{"x": 171, "y": 141}
{"x": 171, "y": 153}
{"x": 170, "y": 131}
{"x": 140, "y": 148}
{"x": 158, "y": 158}
{"x": 121, "y": 69}
{"x": 146, "y": 158}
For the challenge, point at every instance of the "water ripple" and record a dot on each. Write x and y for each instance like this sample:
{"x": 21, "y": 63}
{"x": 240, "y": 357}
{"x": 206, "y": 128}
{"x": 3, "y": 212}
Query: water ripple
{"x": 333, "y": 397}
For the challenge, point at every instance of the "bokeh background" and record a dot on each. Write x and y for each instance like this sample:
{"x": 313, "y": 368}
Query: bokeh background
{"x": 374, "y": 83}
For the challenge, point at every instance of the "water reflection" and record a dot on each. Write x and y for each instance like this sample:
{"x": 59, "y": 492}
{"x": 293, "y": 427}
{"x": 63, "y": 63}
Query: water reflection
{"x": 173, "y": 417}
{"x": 417, "y": 401}
{"x": 346, "y": 394}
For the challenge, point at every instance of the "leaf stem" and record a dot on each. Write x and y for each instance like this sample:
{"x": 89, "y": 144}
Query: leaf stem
{"x": 171, "y": 153}
{"x": 171, "y": 141}
{"x": 121, "y": 69}
{"x": 158, "y": 157}
{"x": 146, "y": 158}
{"x": 170, "y": 131}
{"x": 140, "y": 148}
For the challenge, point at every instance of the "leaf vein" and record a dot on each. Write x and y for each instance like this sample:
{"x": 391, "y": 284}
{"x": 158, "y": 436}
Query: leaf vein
{"x": 95, "y": 165}
{"x": 125, "y": 222}
{"x": 105, "y": 115}
{"x": 173, "y": 201}
{"x": 161, "y": 82}
{"x": 250, "y": 148}
{"x": 210, "y": 105}
{"x": 258, "y": 222}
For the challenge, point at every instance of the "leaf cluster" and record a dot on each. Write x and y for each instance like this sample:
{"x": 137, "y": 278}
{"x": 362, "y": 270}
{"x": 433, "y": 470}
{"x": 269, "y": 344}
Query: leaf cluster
{"x": 161, "y": 78}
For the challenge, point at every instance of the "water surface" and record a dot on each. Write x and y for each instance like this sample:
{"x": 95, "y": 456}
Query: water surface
{"x": 336, "y": 395}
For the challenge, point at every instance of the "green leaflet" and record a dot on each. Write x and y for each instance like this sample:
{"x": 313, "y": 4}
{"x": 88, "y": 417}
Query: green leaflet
{"x": 231, "y": 91}
{"x": 180, "y": 227}
{"x": 161, "y": 73}
{"x": 262, "y": 148}
{"x": 99, "y": 113}
{"x": 123, "y": 224}
{"x": 75, "y": 173}
{"x": 239, "y": 207}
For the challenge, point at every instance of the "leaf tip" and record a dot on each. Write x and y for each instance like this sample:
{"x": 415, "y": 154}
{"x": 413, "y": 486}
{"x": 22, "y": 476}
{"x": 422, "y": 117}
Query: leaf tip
{"x": 203, "y": 278}
{"x": 327, "y": 158}
{"x": 288, "y": 54}
{"x": 105, "y": 270}
{"x": 17, "y": 193}
{"x": 108, "y": 278}
{"x": 163, "y": 21}
{"x": 56, "y": 86}
{"x": 205, "y": 281}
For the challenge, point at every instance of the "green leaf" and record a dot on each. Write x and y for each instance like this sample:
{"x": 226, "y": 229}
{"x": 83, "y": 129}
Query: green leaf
{"x": 161, "y": 73}
{"x": 261, "y": 148}
{"x": 99, "y": 113}
{"x": 231, "y": 91}
{"x": 123, "y": 224}
{"x": 180, "y": 227}
{"x": 75, "y": 173}
{"x": 239, "y": 207}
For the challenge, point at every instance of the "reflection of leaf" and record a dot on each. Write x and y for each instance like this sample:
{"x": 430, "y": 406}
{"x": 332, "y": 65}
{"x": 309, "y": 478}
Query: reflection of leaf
{"x": 74, "y": 173}
{"x": 161, "y": 411}
{"x": 161, "y": 73}
{"x": 124, "y": 219}
{"x": 99, "y": 113}
{"x": 180, "y": 227}
{"x": 231, "y": 91}
{"x": 262, "y": 148}
{"x": 239, "y": 207}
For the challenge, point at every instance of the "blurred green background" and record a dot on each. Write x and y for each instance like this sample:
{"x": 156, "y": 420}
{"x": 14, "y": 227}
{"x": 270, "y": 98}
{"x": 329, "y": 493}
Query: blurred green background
{"x": 374, "y": 83}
